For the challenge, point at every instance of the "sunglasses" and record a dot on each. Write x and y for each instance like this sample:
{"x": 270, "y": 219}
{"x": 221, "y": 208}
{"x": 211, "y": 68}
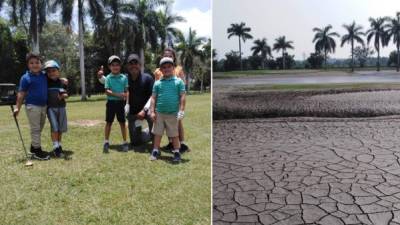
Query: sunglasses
{"x": 133, "y": 62}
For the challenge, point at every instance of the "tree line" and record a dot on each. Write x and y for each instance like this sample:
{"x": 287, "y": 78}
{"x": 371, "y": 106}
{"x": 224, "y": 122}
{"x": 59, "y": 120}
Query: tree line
{"x": 381, "y": 32}
{"x": 115, "y": 27}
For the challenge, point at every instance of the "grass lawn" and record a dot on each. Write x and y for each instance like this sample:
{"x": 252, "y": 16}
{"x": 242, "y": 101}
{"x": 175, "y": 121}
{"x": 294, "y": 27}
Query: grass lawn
{"x": 94, "y": 188}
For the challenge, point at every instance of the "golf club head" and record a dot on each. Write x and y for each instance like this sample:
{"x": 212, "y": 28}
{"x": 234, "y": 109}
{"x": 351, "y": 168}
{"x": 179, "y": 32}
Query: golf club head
{"x": 28, "y": 163}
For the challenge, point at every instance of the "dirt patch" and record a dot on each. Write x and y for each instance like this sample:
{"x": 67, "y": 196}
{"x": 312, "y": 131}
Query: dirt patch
{"x": 85, "y": 123}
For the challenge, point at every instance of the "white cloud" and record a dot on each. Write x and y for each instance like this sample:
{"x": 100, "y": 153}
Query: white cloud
{"x": 197, "y": 20}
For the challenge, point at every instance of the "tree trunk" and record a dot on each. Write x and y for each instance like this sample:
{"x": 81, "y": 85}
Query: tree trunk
{"x": 240, "y": 54}
{"x": 378, "y": 63}
{"x": 325, "y": 59}
{"x": 34, "y": 31}
{"x": 352, "y": 56}
{"x": 142, "y": 48}
{"x": 283, "y": 59}
{"x": 398, "y": 55}
{"x": 81, "y": 51}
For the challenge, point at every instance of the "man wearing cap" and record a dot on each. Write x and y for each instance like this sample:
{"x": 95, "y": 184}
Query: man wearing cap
{"x": 140, "y": 89}
{"x": 167, "y": 108}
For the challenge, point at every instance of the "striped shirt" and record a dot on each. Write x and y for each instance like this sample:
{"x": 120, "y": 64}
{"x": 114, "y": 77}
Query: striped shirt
{"x": 168, "y": 92}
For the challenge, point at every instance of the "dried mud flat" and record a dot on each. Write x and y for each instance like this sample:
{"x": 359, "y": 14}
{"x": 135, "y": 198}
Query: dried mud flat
{"x": 325, "y": 103}
{"x": 307, "y": 171}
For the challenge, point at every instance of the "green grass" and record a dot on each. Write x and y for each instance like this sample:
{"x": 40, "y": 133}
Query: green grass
{"x": 294, "y": 87}
{"x": 94, "y": 188}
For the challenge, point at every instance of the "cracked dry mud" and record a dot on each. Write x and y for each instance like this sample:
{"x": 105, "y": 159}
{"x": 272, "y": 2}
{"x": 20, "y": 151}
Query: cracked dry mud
{"x": 270, "y": 171}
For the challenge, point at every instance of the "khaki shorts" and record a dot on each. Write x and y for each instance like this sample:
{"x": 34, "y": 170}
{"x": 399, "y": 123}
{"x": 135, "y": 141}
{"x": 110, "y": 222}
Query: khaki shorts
{"x": 167, "y": 122}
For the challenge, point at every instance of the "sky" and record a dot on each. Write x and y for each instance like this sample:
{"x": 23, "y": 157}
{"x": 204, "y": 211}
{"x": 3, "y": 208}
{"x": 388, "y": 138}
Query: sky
{"x": 295, "y": 19}
{"x": 196, "y": 12}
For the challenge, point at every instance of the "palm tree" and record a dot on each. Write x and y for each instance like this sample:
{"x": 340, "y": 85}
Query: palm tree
{"x": 168, "y": 33}
{"x": 145, "y": 23}
{"x": 261, "y": 46}
{"x": 353, "y": 33}
{"x": 242, "y": 32}
{"x": 378, "y": 32}
{"x": 115, "y": 24}
{"x": 97, "y": 15}
{"x": 37, "y": 9}
{"x": 394, "y": 31}
{"x": 189, "y": 49}
{"x": 324, "y": 41}
{"x": 281, "y": 45}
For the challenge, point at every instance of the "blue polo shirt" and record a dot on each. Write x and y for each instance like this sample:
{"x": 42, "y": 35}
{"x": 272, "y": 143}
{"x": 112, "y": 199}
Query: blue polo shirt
{"x": 168, "y": 92}
{"x": 117, "y": 83}
{"x": 35, "y": 85}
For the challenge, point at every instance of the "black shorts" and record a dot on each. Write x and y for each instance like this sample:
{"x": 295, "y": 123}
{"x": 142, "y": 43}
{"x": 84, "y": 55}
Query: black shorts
{"x": 115, "y": 108}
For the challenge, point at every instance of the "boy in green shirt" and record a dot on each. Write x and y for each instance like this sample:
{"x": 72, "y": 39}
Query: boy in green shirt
{"x": 167, "y": 108}
{"x": 116, "y": 86}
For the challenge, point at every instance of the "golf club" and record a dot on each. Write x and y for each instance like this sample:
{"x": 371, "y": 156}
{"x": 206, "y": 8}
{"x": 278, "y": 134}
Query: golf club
{"x": 28, "y": 161}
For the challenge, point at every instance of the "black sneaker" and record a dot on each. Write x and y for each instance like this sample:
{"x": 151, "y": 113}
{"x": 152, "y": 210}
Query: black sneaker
{"x": 105, "y": 147}
{"x": 168, "y": 147}
{"x": 58, "y": 152}
{"x": 184, "y": 148}
{"x": 177, "y": 157}
{"x": 154, "y": 155}
{"x": 38, "y": 153}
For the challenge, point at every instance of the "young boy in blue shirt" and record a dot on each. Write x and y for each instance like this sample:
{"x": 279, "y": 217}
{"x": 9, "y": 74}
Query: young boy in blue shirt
{"x": 116, "y": 86}
{"x": 33, "y": 88}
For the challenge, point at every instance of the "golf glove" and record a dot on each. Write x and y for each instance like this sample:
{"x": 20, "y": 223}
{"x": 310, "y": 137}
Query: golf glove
{"x": 180, "y": 115}
{"x": 126, "y": 108}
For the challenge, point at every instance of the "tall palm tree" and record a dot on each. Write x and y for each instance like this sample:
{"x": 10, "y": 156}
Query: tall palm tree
{"x": 37, "y": 9}
{"x": 354, "y": 33}
{"x": 96, "y": 12}
{"x": 281, "y": 45}
{"x": 261, "y": 46}
{"x": 168, "y": 33}
{"x": 242, "y": 32}
{"x": 189, "y": 49}
{"x": 324, "y": 41}
{"x": 378, "y": 32}
{"x": 115, "y": 24}
{"x": 145, "y": 23}
{"x": 394, "y": 32}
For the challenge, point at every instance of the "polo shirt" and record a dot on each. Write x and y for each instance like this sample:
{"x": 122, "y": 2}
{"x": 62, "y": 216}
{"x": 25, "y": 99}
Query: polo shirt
{"x": 35, "y": 85}
{"x": 117, "y": 84}
{"x": 168, "y": 91}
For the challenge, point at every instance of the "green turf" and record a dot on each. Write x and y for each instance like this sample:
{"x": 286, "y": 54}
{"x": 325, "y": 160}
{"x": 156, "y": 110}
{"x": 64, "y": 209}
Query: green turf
{"x": 94, "y": 188}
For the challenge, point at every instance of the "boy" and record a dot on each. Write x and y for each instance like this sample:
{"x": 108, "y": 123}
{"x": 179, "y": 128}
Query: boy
{"x": 56, "y": 106}
{"x": 33, "y": 88}
{"x": 167, "y": 108}
{"x": 116, "y": 86}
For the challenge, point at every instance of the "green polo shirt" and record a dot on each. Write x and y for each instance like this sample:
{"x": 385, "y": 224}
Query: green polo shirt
{"x": 117, "y": 84}
{"x": 168, "y": 91}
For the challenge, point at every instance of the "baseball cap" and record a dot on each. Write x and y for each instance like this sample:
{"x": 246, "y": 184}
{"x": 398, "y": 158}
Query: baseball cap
{"x": 132, "y": 57}
{"x": 166, "y": 60}
{"x": 113, "y": 58}
{"x": 51, "y": 64}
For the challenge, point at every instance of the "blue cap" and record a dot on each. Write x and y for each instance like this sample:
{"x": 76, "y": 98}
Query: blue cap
{"x": 51, "y": 64}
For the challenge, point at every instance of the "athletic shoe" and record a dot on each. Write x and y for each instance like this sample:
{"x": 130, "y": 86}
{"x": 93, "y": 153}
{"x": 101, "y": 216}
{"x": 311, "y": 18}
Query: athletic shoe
{"x": 184, "y": 148}
{"x": 177, "y": 157}
{"x": 38, "y": 153}
{"x": 58, "y": 152}
{"x": 154, "y": 155}
{"x": 105, "y": 147}
{"x": 168, "y": 147}
{"x": 125, "y": 147}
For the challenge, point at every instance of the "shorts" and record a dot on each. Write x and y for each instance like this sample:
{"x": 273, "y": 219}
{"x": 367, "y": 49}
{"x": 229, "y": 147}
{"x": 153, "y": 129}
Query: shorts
{"x": 167, "y": 122}
{"x": 115, "y": 108}
{"x": 58, "y": 119}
